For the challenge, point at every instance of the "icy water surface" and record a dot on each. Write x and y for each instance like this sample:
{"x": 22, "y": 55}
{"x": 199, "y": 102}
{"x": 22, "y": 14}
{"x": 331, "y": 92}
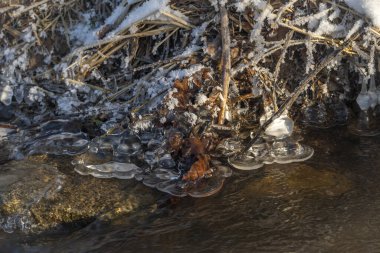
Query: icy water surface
{"x": 330, "y": 203}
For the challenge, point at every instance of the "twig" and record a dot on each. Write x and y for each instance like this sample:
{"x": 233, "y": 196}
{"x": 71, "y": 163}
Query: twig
{"x": 289, "y": 35}
{"x": 226, "y": 59}
{"x": 87, "y": 84}
{"x": 161, "y": 62}
{"x": 177, "y": 19}
{"x": 164, "y": 40}
{"x": 8, "y": 8}
{"x": 19, "y": 12}
{"x": 118, "y": 38}
{"x": 302, "y": 31}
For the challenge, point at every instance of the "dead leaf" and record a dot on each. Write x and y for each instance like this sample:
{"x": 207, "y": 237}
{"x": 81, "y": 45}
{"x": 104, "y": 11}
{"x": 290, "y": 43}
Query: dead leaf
{"x": 199, "y": 169}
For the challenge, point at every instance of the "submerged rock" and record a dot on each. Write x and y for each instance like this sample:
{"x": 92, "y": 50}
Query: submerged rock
{"x": 300, "y": 179}
{"x": 37, "y": 197}
{"x": 23, "y": 185}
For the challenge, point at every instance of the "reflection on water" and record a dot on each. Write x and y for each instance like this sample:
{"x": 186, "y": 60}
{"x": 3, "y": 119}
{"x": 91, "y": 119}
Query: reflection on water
{"x": 330, "y": 203}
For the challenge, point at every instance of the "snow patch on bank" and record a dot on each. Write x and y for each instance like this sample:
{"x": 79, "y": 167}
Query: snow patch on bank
{"x": 370, "y": 8}
{"x": 144, "y": 11}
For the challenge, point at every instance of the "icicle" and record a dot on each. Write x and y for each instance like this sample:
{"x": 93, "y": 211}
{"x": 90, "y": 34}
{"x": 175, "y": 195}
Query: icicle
{"x": 363, "y": 99}
{"x": 371, "y": 72}
{"x": 310, "y": 48}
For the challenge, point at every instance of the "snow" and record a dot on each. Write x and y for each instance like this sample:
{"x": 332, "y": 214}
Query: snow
{"x": 201, "y": 99}
{"x": 280, "y": 127}
{"x": 370, "y": 8}
{"x": 191, "y": 118}
{"x": 243, "y": 4}
{"x": 182, "y": 73}
{"x": 328, "y": 28}
{"x": 256, "y": 32}
{"x": 142, "y": 12}
{"x": 35, "y": 94}
{"x": 6, "y": 94}
{"x": 214, "y": 3}
{"x": 82, "y": 33}
{"x": 172, "y": 102}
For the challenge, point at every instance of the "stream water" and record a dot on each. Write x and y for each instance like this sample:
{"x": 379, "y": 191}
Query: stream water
{"x": 330, "y": 203}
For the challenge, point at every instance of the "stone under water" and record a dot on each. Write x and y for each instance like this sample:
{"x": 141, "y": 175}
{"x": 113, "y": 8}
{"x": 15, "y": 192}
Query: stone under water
{"x": 37, "y": 197}
{"x": 299, "y": 179}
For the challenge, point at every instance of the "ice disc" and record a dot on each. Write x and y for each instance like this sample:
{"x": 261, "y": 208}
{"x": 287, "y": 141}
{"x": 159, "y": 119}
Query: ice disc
{"x": 245, "y": 163}
{"x": 206, "y": 187}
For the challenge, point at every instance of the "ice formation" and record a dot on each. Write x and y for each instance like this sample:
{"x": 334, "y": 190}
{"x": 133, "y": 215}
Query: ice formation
{"x": 280, "y": 127}
{"x": 372, "y": 93}
{"x": 6, "y": 94}
{"x": 117, "y": 156}
{"x": 364, "y": 99}
{"x": 277, "y": 145}
{"x": 58, "y": 137}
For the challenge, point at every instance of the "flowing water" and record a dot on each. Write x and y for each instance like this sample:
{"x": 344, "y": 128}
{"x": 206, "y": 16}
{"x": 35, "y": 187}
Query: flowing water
{"x": 330, "y": 203}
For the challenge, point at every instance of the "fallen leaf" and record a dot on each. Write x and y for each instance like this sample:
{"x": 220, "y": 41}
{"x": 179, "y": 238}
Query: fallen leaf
{"x": 199, "y": 169}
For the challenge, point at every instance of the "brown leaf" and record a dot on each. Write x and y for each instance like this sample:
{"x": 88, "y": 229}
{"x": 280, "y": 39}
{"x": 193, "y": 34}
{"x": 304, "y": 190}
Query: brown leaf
{"x": 175, "y": 141}
{"x": 197, "y": 147}
{"x": 199, "y": 169}
{"x": 197, "y": 81}
{"x": 182, "y": 85}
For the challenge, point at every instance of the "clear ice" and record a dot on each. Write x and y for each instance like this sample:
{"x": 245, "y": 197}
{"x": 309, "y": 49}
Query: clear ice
{"x": 277, "y": 145}
{"x": 6, "y": 94}
{"x": 146, "y": 158}
{"x": 366, "y": 122}
{"x": 170, "y": 181}
{"x": 57, "y": 137}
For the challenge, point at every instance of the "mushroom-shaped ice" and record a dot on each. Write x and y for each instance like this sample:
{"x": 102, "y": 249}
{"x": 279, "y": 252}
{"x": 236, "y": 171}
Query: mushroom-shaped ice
{"x": 57, "y": 137}
{"x": 110, "y": 156}
{"x": 290, "y": 150}
{"x": 172, "y": 182}
{"x": 257, "y": 155}
{"x": 110, "y": 170}
{"x": 246, "y": 162}
{"x": 278, "y": 146}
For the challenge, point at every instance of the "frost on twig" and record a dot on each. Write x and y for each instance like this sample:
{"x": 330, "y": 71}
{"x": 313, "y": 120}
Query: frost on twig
{"x": 226, "y": 58}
